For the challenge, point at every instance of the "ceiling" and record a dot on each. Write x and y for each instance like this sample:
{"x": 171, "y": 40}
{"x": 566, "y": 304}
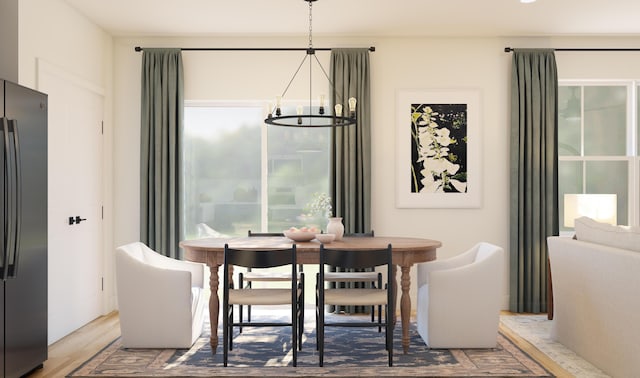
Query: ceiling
{"x": 501, "y": 18}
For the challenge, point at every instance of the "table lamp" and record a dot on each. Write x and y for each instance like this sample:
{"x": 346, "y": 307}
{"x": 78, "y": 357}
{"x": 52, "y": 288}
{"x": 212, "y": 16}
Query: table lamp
{"x": 599, "y": 207}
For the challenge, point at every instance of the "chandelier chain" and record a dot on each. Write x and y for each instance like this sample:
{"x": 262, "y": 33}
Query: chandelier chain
{"x": 310, "y": 25}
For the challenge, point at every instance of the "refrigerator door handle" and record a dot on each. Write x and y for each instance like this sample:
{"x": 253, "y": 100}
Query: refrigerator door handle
{"x": 11, "y": 198}
{"x": 6, "y": 194}
{"x": 12, "y": 263}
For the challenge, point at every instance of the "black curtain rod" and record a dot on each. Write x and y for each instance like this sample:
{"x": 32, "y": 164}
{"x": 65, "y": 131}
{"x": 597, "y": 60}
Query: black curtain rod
{"x": 510, "y": 49}
{"x": 138, "y": 48}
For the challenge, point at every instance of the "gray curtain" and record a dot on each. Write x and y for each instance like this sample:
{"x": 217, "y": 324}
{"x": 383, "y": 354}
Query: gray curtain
{"x": 160, "y": 138}
{"x": 534, "y": 175}
{"x": 350, "y": 171}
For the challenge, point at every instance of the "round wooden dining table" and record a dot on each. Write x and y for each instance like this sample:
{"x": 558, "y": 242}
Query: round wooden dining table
{"x": 406, "y": 252}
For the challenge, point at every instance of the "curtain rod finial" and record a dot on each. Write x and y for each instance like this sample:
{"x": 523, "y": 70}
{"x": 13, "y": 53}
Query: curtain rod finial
{"x": 508, "y": 49}
{"x": 138, "y": 48}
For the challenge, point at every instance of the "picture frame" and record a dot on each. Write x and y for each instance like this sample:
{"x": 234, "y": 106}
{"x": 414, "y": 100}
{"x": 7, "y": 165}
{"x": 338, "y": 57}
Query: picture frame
{"x": 438, "y": 148}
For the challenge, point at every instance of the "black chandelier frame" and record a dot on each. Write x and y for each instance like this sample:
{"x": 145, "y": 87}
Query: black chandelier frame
{"x": 275, "y": 116}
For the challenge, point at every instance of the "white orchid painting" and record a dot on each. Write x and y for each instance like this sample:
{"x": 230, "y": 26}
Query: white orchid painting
{"x": 438, "y": 148}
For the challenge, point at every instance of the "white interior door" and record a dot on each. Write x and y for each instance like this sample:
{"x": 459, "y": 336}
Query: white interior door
{"x": 75, "y": 190}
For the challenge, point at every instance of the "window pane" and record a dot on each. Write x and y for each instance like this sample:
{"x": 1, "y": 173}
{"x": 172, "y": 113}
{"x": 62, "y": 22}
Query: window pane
{"x": 605, "y": 115}
{"x": 221, "y": 169}
{"x": 610, "y": 177}
{"x": 570, "y": 179}
{"x": 298, "y": 171}
{"x": 569, "y": 120}
{"x": 223, "y": 177}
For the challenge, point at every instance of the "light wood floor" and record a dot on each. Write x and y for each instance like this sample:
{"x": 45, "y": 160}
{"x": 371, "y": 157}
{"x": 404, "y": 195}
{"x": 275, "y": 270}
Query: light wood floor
{"x": 532, "y": 351}
{"x": 69, "y": 352}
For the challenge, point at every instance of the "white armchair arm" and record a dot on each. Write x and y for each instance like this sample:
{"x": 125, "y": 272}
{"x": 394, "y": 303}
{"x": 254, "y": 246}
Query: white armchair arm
{"x": 424, "y": 269}
{"x": 141, "y": 285}
{"x": 158, "y": 260}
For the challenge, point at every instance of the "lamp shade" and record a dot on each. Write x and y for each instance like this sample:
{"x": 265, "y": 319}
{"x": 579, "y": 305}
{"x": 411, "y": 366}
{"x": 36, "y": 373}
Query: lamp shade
{"x": 599, "y": 207}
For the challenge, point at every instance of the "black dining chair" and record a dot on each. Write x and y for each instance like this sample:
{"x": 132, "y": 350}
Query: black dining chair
{"x": 242, "y": 296}
{"x": 358, "y": 278}
{"x": 245, "y": 279}
{"x": 354, "y": 259}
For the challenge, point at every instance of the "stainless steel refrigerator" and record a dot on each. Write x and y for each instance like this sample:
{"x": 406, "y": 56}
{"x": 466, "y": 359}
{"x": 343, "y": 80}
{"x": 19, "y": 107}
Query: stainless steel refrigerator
{"x": 23, "y": 221}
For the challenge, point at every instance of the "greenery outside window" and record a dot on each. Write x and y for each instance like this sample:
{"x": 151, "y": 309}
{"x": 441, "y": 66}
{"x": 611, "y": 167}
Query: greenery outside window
{"x": 239, "y": 174}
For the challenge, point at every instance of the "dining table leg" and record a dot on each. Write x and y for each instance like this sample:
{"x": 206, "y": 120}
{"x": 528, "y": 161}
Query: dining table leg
{"x": 214, "y": 307}
{"x": 394, "y": 293}
{"x": 405, "y": 306}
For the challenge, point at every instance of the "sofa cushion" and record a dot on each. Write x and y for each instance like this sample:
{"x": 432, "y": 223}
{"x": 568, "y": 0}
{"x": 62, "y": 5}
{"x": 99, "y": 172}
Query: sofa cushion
{"x": 593, "y": 231}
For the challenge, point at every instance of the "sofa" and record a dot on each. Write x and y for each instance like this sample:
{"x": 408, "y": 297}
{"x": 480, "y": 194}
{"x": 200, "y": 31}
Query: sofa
{"x": 596, "y": 295}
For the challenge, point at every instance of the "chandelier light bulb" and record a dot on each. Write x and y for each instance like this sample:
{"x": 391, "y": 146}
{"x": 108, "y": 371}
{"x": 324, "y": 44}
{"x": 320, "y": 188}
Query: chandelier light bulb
{"x": 299, "y": 111}
{"x": 278, "y": 101}
{"x": 338, "y": 109}
{"x": 352, "y": 104}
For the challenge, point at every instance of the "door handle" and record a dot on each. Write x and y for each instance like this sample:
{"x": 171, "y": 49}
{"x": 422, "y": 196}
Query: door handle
{"x": 76, "y": 219}
{"x": 12, "y": 206}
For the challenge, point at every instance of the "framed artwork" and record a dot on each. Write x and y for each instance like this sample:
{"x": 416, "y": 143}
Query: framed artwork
{"x": 438, "y": 147}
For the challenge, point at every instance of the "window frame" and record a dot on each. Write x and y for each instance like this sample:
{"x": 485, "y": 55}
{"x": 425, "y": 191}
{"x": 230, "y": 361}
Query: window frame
{"x": 632, "y": 155}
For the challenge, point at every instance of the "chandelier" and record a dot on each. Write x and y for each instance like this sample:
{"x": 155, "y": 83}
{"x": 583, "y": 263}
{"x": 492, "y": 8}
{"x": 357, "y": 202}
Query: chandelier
{"x": 326, "y": 116}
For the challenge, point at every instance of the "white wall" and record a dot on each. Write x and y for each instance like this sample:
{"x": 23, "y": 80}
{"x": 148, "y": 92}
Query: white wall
{"x": 401, "y": 64}
{"x": 51, "y": 31}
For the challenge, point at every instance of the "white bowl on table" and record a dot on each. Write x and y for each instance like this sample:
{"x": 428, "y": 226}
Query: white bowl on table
{"x": 299, "y": 236}
{"x": 325, "y": 238}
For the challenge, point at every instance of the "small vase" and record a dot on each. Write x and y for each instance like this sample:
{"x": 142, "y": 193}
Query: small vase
{"x": 335, "y": 227}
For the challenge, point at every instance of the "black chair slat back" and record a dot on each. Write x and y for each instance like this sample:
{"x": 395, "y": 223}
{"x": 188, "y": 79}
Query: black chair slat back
{"x": 259, "y": 259}
{"x": 354, "y": 259}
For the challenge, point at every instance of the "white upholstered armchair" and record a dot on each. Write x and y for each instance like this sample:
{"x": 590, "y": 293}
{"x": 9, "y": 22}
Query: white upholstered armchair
{"x": 161, "y": 300}
{"x": 459, "y": 298}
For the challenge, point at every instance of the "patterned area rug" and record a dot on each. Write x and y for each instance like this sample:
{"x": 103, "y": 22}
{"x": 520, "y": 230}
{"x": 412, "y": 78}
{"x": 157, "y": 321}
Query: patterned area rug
{"x": 349, "y": 352}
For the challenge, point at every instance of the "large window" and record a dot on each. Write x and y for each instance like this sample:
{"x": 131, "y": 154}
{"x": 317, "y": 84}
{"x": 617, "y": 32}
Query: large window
{"x": 239, "y": 174}
{"x": 598, "y": 143}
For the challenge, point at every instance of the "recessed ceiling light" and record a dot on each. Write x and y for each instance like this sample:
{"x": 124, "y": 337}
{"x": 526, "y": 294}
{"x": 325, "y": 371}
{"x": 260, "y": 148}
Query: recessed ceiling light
{"x": 527, "y": 1}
